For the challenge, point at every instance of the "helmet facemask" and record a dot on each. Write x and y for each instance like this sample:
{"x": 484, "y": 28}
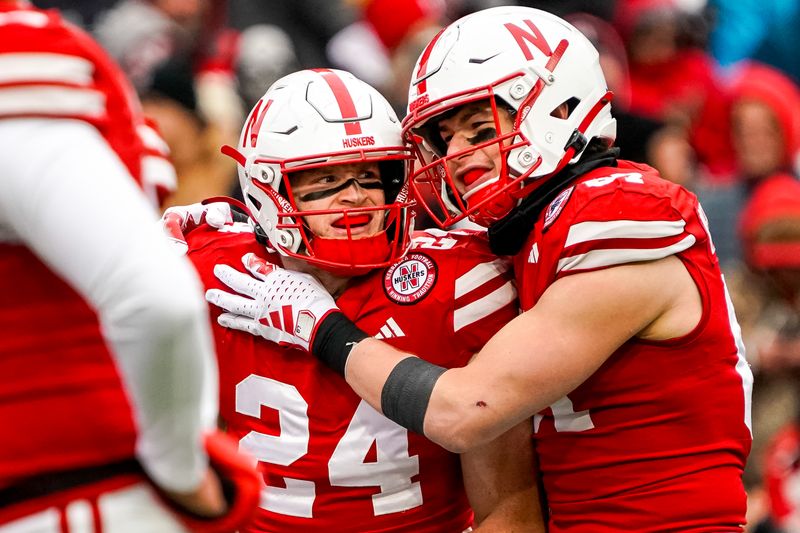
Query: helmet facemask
{"x": 433, "y": 180}
{"x": 519, "y": 59}
{"x": 323, "y": 120}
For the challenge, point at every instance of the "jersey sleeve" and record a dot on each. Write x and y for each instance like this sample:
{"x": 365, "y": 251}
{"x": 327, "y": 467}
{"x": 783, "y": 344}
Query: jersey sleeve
{"x": 48, "y": 69}
{"x": 52, "y": 69}
{"x": 484, "y": 297}
{"x": 624, "y": 218}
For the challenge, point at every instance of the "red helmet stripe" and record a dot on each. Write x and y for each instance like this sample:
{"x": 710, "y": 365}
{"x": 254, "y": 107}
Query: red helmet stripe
{"x": 423, "y": 62}
{"x": 343, "y": 98}
{"x": 254, "y": 124}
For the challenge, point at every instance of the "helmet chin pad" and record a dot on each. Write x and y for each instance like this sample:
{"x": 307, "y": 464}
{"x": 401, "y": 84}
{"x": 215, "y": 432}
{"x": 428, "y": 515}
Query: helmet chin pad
{"x": 495, "y": 204}
{"x": 351, "y": 257}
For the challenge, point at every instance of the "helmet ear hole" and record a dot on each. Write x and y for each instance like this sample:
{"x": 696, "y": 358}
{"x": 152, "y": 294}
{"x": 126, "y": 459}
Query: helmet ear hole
{"x": 393, "y": 178}
{"x": 566, "y": 108}
{"x": 254, "y": 201}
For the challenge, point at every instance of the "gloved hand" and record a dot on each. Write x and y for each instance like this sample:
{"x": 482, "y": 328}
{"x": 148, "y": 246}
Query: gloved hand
{"x": 280, "y": 305}
{"x": 178, "y": 221}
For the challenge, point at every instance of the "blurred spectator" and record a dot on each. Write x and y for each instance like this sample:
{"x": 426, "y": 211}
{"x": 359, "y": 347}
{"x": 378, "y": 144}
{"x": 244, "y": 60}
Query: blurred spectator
{"x": 142, "y": 34}
{"x": 765, "y": 135}
{"x": 767, "y": 299}
{"x": 782, "y": 480}
{"x": 603, "y": 9}
{"x": 81, "y": 13}
{"x": 763, "y": 30}
{"x": 171, "y": 102}
{"x": 382, "y": 46}
{"x": 673, "y": 79}
{"x": 765, "y": 122}
{"x": 634, "y": 131}
{"x": 265, "y": 54}
{"x": 309, "y": 23}
{"x": 181, "y": 58}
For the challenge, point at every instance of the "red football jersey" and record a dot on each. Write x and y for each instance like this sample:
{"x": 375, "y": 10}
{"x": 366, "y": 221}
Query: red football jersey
{"x": 656, "y": 439}
{"x": 56, "y": 368}
{"x": 53, "y": 355}
{"x": 50, "y": 68}
{"x": 330, "y": 461}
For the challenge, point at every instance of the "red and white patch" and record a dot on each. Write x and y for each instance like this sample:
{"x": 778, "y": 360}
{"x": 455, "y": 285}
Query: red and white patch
{"x": 555, "y": 207}
{"x": 411, "y": 279}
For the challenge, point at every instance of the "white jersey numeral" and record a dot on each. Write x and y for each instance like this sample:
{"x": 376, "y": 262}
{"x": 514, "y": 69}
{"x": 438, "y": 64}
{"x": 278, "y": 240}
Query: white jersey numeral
{"x": 392, "y": 471}
{"x": 254, "y": 392}
{"x": 630, "y": 177}
{"x": 434, "y": 243}
{"x": 565, "y": 418}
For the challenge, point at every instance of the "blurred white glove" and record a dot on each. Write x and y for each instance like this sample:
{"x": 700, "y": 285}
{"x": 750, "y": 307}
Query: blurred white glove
{"x": 177, "y": 221}
{"x": 280, "y": 305}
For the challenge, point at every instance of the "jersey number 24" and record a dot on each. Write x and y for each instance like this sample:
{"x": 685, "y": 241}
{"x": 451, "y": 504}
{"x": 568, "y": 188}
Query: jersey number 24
{"x": 392, "y": 471}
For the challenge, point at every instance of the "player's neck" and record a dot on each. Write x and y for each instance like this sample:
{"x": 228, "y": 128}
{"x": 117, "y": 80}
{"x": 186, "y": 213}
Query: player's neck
{"x": 335, "y": 285}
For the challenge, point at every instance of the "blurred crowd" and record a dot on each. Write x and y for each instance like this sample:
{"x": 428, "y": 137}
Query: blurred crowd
{"x": 705, "y": 91}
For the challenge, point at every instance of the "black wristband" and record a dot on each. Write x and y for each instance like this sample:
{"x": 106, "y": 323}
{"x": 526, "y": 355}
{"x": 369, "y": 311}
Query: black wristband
{"x": 335, "y": 338}
{"x": 408, "y": 390}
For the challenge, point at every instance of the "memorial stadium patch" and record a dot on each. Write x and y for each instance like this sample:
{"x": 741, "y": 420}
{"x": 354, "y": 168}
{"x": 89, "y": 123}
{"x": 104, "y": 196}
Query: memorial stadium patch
{"x": 409, "y": 280}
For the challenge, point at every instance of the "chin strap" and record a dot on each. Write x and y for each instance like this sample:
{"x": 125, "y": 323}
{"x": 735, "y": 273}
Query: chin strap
{"x": 508, "y": 235}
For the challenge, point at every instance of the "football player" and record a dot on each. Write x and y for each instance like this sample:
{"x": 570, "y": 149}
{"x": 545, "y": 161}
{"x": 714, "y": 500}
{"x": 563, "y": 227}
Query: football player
{"x": 323, "y": 174}
{"x": 107, "y": 372}
{"x": 627, "y": 354}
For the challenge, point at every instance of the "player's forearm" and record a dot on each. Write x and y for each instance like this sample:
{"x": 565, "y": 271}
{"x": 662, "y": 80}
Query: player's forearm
{"x": 501, "y": 484}
{"x": 368, "y": 367}
{"x": 422, "y": 395}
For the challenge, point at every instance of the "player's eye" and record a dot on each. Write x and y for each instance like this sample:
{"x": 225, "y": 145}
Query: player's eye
{"x": 327, "y": 179}
{"x": 369, "y": 180}
{"x": 483, "y": 135}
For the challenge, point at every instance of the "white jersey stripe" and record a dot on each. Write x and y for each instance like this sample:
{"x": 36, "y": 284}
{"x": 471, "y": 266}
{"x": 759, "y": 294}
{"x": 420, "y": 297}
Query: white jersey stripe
{"x": 623, "y": 229}
{"x": 619, "y": 256}
{"x": 24, "y": 18}
{"x": 52, "y": 100}
{"x": 43, "y": 67}
{"x": 742, "y": 366}
{"x": 159, "y": 171}
{"x": 479, "y": 275}
{"x": 152, "y": 139}
{"x": 494, "y": 301}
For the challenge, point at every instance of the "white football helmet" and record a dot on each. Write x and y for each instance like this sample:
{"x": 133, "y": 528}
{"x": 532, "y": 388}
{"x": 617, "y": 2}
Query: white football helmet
{"x": 527, "y": 61}
{"x": 316, "y": 118}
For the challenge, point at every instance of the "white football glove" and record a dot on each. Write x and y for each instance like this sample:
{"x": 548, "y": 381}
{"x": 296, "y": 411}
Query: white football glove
{"x": 177, "y": 221}
{"x": 280, "y": 305}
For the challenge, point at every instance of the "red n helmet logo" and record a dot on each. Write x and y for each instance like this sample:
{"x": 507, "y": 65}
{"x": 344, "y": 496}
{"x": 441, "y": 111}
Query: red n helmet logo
{"x": 535, "y": 38}
{"x": 254, "y": 123}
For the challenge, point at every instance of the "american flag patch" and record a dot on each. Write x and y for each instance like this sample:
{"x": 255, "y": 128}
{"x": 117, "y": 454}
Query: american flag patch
{"x": 555, "y": 207}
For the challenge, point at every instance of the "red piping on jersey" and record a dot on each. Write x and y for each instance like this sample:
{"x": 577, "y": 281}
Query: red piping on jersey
{"x": 343, "y": 98}
{"x": 49, "y": 83}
